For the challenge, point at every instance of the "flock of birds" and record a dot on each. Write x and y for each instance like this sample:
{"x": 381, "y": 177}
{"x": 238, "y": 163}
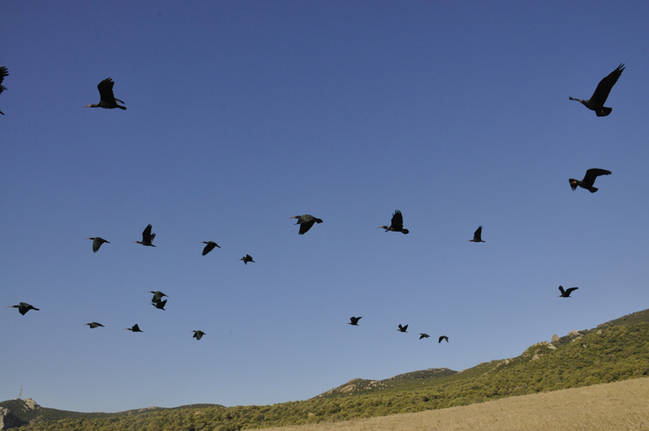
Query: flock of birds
{"x": 108, "y": 100}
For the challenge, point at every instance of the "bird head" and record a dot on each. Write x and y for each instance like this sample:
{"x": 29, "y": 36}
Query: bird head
{"x": 383, "y": 227}
{"x": 573, "y": 183}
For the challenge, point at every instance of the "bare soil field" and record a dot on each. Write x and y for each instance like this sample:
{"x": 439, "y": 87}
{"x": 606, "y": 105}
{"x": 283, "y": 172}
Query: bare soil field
{"x": 616, "y": 406}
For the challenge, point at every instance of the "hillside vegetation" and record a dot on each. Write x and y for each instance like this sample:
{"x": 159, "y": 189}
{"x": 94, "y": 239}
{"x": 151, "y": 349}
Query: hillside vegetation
{"x": 617, "y": 350}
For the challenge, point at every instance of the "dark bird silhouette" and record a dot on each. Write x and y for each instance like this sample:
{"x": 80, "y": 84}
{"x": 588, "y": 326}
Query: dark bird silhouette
{"x": 396, "y": 224}
{"x": 423, "y": 335}
{"x": 157, "y": 295}
{"x": 247, "y": 258}
{"x": 147, "y": 236}
{"x": 135, "y": 328}
{"x": 209, "y": 246}
{"x": 589, "y": 179}
{"x": 402, "y": 328}
{"x": 94, "y": 325}
{"x": 354, "y": 320}
{"x": 159, "y": 304}
{"x": 24, "y": 307}
{"x": 3, "y": 72}
{"x": 442, "y": 337}
{"x": 565, "y": 293}
{"x": 106, "y": 97}
{"x": 306, "y": 221}
{"x": 97, "y": 241}
{"x": 198, "y": 334}
{"x": 596, "y": 101}
{"x": 477, "y": 235}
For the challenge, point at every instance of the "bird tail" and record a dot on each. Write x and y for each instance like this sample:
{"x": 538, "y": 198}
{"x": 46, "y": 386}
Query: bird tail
{"x": 318, "y": 220}
{"x": 405, "y": 231}
{"x": 573, "y": 183}
{"x": 603, "y": 111}
{"x": 592, "y": 189}
{"x": 121, "y": 107}
{"x": 573, "y": 98}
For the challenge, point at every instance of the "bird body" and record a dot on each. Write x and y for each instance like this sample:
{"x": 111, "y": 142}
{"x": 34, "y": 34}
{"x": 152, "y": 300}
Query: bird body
{"x": 147, "y": 236}
{"x": 97, "y": 241}
{"x": 597, "y": 100}
{"x": 354, "y": 320}
{"x": 423, "y": 335}
{"x": 94, "y": 325}
{"x": 3, "y": 72}
{"x": 442, "y": 337}
{"x": 157, "y": 295}
{"x": 134, "y": 328}
{"x": 402, "y": 328}
{"x": 209, "y": 246}
{"x": 589, "y": 179}
{"x": 198, "y": 334}
{"x": 247, "y": 258}
{"x": 306, "y": 221}
{"x": 565, "y": 293}
{"x": 24, "y": 307}
{"x": 396, "y": 224}
{"x": 107, "y": 99}
{"x": 477, "y": 235}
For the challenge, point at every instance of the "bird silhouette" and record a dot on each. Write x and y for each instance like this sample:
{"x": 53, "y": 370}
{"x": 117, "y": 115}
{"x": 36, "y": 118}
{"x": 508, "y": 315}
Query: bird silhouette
{"x": 147, "y": 236}
{"x": 97, "y": 241}
{"x": 209, "y": 246}
{"x": 442, "y": 337}
{"x": 157, "y": 295}
{"x": 597, "y": 100}
{"x": 3, "y": 73}
{"x": 94, "y": 325}
{"x": 159, "y": 304}
{"x": 477, "y": 235}
{"x": 589, "y": 179}
{"x": 423, "y": 335}
{"x": 135, "y": 328}
{"x": 247, "y": 258}
{"x": 198, "y": 334}
{"x": 565, "y": 293}
{"x": 402, "y": 328}
{"x": 306, "y": 221}
{"x": 24, "y": 307}
{"x": 396, "y": 224}
{"x": 354, "y": 320}
{"x": 106, "y": 97}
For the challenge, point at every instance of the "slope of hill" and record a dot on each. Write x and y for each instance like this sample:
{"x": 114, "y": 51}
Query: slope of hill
{"x": 616, "y": 350}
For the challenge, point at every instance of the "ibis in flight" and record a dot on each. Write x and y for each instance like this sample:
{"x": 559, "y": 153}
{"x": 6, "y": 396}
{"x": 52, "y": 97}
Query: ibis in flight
{"x": 597, "y": 100}
{"x": 106, "y": 97}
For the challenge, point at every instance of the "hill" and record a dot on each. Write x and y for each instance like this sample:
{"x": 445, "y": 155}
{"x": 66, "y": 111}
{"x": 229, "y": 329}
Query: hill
{"x": 615, "y": 350}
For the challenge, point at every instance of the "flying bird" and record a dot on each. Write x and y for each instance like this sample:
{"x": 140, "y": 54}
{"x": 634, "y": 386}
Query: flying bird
{"x": 596, "y": 101}
{"x": 589, "y": 179}
{"x": 94, "y": 325}
{"x": 24, "y": 307}
{"x": 198, "y": 334}
{"x": 160, "y": 305}
{"x": 147, "y": 236}
{"x": 106, "y": 97}
{"x": 157, "y": 295}
{"x": 3, "y": 72}
{"x": 402, "y": 328}
{"x": 247, "y": 258}
{"x": 209, "y": 246}
{"x": 477, "y": 235}
{"x": 423, "y": 335}
{"x": 396, "y": 224}
{"x": 306, "y": 221}
{"x": 97, "y": 241}
{"x": 565, "y": 293}
{"x": 442, "y": 337}
{"x": 354, "y": 320}
{"x": 134, "y": 328}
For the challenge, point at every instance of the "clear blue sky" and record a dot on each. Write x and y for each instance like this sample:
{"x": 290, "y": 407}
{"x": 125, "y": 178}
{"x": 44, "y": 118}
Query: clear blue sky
{"x": 242, "y": 114}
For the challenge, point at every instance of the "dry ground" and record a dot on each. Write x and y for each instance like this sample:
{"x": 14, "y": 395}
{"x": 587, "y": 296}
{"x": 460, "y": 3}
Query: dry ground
{"x": 616, "y": 406}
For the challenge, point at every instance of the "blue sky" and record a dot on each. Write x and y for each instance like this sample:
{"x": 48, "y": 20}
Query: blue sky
{"x": 242, "y": 114}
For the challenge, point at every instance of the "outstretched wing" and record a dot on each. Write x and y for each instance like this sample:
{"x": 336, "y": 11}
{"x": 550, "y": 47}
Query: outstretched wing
{"x": 305, "y": 226}
{"x": 563, "y": 292}
{"x": 592, "y": 174}
{"x": 96, "y": 243}
{"x": 105, "y": 88}
{"x": 210, "y": 245}
{"x": 604, "y": 87}
{"x": 477, "y": 235}
{"x": 146, "y": 233}
{"x": 3, "y": 72}
{"x": 397, "y": 220}
{"x": 569, "y": 290}
{"x": 443, "y": 337}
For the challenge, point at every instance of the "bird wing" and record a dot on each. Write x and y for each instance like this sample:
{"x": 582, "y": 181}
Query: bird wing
{"x": 477, "y": 235}
{"x": 604, "y": 87}
{"x": 3, "y": 72}
{"x": 397, "y": 220}
{"x": 305, "y": 226}
{"x": 592, "y": 174}
{"x": 570, "y": 290}
{"x": 96, "y": 243}
{"x": 146, "y": 233}
{"x": 210, "y": 245}
{"x": 561, "y": 290}
{"x": 105, "y": 88}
